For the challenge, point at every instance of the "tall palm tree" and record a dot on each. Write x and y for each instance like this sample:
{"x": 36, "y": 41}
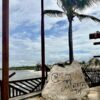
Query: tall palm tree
{"x": 69, "y": 8}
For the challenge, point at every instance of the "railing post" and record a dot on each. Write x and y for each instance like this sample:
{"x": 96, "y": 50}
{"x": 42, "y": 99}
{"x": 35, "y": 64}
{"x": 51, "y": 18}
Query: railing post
{"x": 5, "y": 49}
{"x": 42, "y": 43}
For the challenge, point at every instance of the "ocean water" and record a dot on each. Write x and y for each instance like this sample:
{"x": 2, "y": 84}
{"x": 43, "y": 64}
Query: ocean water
{"x": 23, "y": 74}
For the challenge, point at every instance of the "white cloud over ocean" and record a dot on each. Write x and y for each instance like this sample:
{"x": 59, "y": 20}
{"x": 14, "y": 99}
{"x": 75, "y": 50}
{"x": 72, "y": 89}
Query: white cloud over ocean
{"x": 25, "y": 40}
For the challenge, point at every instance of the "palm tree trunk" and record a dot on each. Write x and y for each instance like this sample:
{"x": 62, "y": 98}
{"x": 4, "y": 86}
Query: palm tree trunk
{"x": 71, "y": 57}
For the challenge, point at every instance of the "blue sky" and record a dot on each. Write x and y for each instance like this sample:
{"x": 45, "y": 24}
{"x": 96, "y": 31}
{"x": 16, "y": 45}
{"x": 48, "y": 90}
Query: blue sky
{"x": 25, "y": 34}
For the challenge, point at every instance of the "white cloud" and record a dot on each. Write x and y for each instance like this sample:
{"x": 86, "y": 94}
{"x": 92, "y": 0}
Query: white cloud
{"x": 24, "y": 11}
{"x": 27, "y": 51}
{"x": 0, "y": 17}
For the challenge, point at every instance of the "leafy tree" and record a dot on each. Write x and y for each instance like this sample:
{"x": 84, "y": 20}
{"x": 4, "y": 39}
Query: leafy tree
{"x": 37, "y": 67}
{"x": 94, "y": 62}
{"x": 70, "y": 8}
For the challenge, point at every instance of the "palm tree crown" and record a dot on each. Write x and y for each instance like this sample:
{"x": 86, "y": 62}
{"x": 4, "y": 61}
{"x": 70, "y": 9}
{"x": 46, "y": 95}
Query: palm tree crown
{"x": 69, "y": 8}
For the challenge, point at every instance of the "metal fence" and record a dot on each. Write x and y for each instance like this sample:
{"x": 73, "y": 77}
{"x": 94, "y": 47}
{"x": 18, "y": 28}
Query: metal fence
{"x": 92, "y": 76}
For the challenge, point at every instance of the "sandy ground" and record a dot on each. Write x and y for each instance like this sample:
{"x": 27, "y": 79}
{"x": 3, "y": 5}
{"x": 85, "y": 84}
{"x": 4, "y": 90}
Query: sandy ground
{"x": 93, "y": 95}
{"x": 35, "y": 98}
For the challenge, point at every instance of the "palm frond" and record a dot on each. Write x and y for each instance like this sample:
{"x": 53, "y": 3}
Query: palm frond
{"x": 66, "y": 4}
{"x": 81, "y": 4}
{"x": 83, "y": 16}
{"x": 75, "y": 4}
{"x": 54, "y": 13}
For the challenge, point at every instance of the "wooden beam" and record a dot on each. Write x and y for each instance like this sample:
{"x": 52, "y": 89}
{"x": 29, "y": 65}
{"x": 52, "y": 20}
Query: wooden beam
{"x": 97, "y": 56}
{"x": 12, "y": 74}
{"x": 96, "y": 43}
{"x": 42, "y": 43}
{"x": 94, "y": 36}
{"x": 5, "y": 49}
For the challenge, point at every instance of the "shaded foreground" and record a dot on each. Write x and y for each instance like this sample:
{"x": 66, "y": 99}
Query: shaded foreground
{"x": 93, "y": 95}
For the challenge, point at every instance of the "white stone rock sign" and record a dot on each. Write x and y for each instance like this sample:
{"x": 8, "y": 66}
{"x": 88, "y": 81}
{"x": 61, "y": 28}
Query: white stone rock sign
{"x": 66, "y": 84}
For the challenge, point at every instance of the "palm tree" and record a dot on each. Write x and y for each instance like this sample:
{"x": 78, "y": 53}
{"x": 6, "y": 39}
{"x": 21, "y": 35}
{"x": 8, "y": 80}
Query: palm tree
{"x": 69, "y": 8}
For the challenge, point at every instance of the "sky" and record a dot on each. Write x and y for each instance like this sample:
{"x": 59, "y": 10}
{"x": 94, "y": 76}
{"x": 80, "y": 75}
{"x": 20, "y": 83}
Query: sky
{"x": 25, "y": 27}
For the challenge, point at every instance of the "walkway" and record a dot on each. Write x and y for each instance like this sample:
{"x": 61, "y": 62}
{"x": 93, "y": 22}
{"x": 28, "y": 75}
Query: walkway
{"x": 94, "y": 93}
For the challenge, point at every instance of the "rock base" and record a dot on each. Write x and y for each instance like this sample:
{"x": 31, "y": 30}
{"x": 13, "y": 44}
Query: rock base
{"x": 66, "y": 84}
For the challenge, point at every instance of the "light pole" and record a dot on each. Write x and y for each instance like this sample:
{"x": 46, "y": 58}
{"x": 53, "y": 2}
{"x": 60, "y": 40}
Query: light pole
{"x": 42, "y": 43}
